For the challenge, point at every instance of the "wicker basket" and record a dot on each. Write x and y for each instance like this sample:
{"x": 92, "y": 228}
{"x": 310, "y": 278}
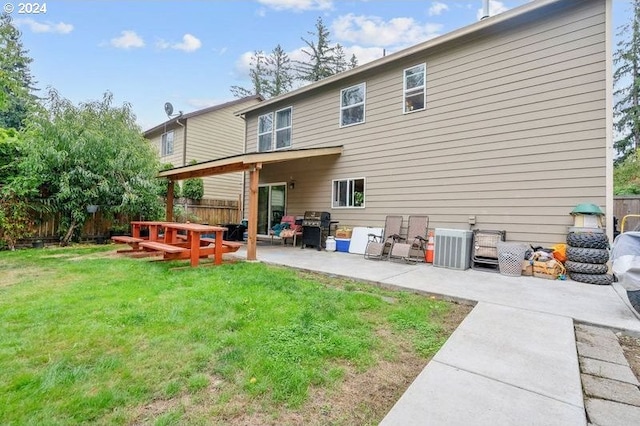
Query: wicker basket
{"x": 550, "y": 269}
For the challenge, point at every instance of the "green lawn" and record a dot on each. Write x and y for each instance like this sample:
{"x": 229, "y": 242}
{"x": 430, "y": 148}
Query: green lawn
{"x": 87, "y": 336}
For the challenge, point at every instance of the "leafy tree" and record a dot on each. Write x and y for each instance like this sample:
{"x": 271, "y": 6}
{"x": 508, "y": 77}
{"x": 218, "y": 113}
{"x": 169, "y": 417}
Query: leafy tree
{"x": 627, "y": 79}
{"x": 193, "y": 188}
{"x": 90, "y": 154}
{"x": 17, "y": 83}
{"x": 626, "y": 175}
{"x": 9, "y": 155}
{"x": 321, "y": 55}
{"x": 163, "y": 183}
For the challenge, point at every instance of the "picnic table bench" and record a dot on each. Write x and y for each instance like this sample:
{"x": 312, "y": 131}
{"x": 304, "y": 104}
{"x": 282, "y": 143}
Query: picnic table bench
{"x": 125, "y": 239}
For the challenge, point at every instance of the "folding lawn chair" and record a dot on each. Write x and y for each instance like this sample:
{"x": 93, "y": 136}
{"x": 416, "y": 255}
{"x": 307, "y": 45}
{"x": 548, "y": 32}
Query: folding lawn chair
{"x": 412, "y": 248}
{"x": 378, "y": 245}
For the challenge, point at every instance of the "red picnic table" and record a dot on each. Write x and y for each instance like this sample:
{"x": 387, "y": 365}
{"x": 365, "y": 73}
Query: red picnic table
{"x": 195, "y": 245}
{"x": 135, "y": 239}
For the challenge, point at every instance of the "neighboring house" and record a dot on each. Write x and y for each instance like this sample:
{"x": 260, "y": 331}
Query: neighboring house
{"x": 202, "y": 135}
{"x": 505, "y": 123}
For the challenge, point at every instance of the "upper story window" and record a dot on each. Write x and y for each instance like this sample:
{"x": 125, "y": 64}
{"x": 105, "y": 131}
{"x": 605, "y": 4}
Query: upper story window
{"x": 352, "y": 105}
{"x": 167, "y": 144}
{"x": 281, "y": 129}
{"x": 415, "y": 88}
{"x": 348, "y": 193}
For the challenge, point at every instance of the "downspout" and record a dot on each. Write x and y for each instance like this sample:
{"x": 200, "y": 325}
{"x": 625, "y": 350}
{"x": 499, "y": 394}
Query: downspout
{"x": 184, "y": 153}
{"x": 184, "y": 140}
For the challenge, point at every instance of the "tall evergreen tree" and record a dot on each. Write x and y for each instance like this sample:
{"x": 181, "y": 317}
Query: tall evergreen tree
{"x": 339, "y": 59}
{"x": 627, "y": 83}
{"x": 279, "y": 73}
{"x": 257, "y": 73}
{"x": 18, "y": 83}
{"x": 321, "y": 55}
{"x": 353, "y": 62}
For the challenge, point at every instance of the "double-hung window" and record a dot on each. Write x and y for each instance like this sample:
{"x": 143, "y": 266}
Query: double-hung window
{"x": 352, "y": 105}
{"x": 167, "y": 144}
{"x": 415, "y": 88}
{"x": 274, "y": 134}
{"x": 348, "y": 193}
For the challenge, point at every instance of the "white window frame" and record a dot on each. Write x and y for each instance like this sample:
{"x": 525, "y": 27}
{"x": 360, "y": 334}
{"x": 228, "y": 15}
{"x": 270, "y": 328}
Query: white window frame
{"x": 414, "y": 90}
{"x": 274, "y": 130}
{"x": 268, "y": 132}
{"x": 363, "y": 104}
{"x": 350, "y": 182}
{"x": 164, "y": 145}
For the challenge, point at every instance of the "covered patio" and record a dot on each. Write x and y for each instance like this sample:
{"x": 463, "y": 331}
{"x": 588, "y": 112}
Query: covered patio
{"x": 251, "y": 162}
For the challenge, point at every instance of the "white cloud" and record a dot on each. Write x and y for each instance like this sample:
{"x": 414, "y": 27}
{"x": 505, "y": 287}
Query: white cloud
{"x": 189, "y": 43}
{"x": 128, "y": 39}
{"x": 495, "y": 7}
{"x": 45, "y": 27}
{"x": 437, "y": 8}
{"x": 298, "y": 5}
{"x": 396, "y": 32}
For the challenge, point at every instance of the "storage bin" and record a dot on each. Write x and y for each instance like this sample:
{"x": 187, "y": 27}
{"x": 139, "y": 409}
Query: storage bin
{"x": 342, "y": 244}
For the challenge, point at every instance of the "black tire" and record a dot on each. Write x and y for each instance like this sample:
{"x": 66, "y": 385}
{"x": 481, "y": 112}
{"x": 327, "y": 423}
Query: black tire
{"x": 586, "y": 268}
{"x": 634, "y": 298}
{"x": 599, "y": 279}
{"x": 587, "y": 255}
{"x": 588, "y": 240}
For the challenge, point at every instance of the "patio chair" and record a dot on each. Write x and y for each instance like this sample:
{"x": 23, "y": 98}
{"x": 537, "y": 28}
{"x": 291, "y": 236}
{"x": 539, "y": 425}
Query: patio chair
{"x": 287, "y": 228}
{"x": 413, "y": 248}
{"x": 378, "y": 245}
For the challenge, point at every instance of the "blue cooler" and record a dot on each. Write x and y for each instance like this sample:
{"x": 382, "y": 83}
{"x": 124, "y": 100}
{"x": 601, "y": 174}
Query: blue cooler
{"x": 342, "y": 244}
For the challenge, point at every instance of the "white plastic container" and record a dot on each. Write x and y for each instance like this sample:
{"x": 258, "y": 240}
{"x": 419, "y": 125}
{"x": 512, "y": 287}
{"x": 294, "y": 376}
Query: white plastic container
{"x": 330, "y": 244}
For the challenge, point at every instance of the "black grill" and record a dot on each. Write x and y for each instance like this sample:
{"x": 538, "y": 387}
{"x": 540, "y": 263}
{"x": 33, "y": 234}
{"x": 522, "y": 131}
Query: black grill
{"x": 315, "y": 229}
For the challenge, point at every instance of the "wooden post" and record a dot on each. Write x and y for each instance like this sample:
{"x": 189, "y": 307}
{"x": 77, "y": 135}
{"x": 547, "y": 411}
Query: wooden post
{"x": 254, "y": 178}
{"x": 170, "y": 201}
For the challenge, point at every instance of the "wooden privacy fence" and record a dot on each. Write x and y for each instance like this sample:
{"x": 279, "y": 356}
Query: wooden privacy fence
{"x": 624, "y": 205}
{"x": 213, "y": 212}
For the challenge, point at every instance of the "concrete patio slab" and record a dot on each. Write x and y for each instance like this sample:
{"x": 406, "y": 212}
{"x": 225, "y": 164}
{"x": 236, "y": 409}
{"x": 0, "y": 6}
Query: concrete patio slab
{"x": 528, "y": 350}
{"x": 445, "y": 395}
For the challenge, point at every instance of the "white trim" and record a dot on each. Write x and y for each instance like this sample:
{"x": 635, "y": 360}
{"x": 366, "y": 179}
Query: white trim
{"x": 275, "y": 129}
{"x": 163, "y": 143}
{"x": 609, "y": 118}
{"x": 363, "y": 103}
{"x": 415, "y": 89}
{"x": 264, "y": 133}
{"x": 349, "y": 180}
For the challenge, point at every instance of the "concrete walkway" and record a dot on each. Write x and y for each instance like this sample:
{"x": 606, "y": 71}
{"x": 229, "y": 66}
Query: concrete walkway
{"x": 513, "y": 360}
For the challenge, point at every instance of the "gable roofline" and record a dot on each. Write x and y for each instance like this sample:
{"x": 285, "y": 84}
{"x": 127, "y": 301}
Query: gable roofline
{"x": 206, "y": 110}
{"x": 429, "y": 44}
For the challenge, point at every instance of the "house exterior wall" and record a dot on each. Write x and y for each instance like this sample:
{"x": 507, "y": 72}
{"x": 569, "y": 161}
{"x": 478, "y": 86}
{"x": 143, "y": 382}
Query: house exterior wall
{"x": 209, "y": 135}
{"x": 213, "y": 135}
{"x": 514, "y": 132}
{"x": 178, "y": 146}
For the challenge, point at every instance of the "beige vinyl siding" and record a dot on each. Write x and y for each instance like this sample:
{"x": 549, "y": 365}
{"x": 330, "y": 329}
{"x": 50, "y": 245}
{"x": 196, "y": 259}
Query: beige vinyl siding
{"x": 213, "y": 135}
{"x": 176, "y": 157}
{"x": 513, "y": 133}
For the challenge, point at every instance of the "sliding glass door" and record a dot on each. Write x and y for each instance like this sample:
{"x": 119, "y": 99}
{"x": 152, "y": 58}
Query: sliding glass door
{"x": 271, "y": 205}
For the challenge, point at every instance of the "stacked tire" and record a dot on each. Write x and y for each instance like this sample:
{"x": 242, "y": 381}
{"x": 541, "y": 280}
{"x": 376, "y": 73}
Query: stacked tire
{"x": 587, "y": 256}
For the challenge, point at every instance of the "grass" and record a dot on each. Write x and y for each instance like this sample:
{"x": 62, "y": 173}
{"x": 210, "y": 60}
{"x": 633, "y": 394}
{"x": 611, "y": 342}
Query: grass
{"x": 88, "y": 337}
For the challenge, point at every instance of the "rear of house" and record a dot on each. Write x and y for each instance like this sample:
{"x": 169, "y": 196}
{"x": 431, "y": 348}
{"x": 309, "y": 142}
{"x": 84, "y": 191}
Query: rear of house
{"x": 505, "y": 123}
{"x": 201, "y": 135}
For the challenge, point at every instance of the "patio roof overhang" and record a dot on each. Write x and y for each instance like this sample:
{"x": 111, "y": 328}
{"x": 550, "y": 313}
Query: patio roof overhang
{"x": 251, "y": 162}
{"x": 242, "y": 162}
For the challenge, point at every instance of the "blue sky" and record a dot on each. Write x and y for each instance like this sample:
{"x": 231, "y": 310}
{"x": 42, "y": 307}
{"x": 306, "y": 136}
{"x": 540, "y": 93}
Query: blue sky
{"x": 190, "y": 53}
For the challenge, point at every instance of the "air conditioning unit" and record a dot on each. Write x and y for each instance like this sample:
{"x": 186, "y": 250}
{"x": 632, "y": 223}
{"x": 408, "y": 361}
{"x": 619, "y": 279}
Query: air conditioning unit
{"x": 452, "y": 248}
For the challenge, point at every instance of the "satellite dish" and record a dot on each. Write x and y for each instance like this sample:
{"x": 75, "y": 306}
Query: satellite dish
{"x": 168, "y": 108}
